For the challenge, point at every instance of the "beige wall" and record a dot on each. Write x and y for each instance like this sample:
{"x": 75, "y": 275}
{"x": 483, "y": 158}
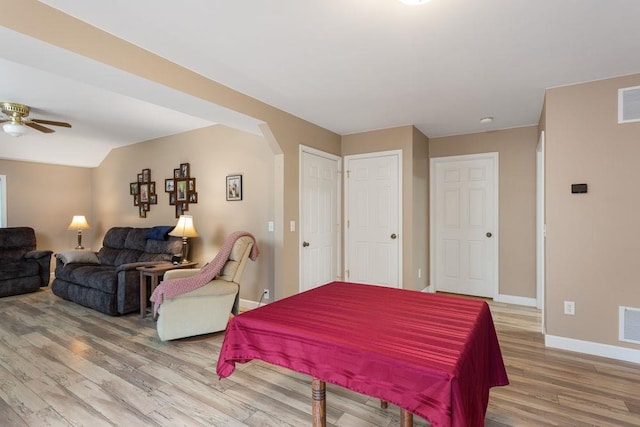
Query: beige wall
{"x": 213, "y": 153}
{"x": 45, "y": 197}
{"x": 414, "y": 146}
{"x": 592, "y": 240}
{"x": 517, "y": 191}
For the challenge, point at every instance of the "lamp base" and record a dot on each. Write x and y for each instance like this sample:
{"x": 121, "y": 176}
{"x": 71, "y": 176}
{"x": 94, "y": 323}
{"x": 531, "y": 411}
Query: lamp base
{"x": 79, "y": 247}
{"x": 185, "y": 250}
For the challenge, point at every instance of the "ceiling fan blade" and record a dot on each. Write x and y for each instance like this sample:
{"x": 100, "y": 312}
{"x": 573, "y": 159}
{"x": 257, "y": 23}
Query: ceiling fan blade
{"x": 39, "y": 127}
{"x": 50, "y": 122}
{"x": 5, "y": 120}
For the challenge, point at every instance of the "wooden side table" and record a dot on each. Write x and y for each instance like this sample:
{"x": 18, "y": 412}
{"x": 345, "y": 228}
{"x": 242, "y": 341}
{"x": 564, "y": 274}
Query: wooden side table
{"x": 155, "y": 273}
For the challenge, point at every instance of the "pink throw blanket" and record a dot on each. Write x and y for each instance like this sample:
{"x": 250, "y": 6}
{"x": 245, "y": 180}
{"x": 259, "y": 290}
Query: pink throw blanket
{"x": 174, "y": 287}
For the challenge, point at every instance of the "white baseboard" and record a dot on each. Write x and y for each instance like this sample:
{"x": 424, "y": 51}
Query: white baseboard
{"x": 593, "y": 348}
{"x": 511, "y": 299}
{"x": 249, "y": 305}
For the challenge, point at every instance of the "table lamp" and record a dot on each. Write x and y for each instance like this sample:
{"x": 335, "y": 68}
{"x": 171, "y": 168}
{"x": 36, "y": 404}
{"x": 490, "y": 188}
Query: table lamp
{"x": 184, "y": 229}
{"x": 79, "y": 222}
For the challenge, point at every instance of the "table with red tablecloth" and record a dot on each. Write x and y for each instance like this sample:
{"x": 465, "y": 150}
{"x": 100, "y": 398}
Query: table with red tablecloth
{"x": 432, "y": 355}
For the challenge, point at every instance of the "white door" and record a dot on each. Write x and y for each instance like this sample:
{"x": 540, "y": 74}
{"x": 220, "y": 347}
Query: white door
{"x": 464, "y": 224}
{"x": 319, "y": 216}
{"x": 373, "y": 194}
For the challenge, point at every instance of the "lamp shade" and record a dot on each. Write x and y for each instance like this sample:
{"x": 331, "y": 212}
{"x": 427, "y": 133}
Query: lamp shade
{"x": 185, "y": 227}
{"x": 79, "y": 222}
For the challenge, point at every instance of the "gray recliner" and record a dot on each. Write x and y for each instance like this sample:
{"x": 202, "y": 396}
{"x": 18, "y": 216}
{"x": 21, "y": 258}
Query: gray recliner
{"x": 23, "y": 269}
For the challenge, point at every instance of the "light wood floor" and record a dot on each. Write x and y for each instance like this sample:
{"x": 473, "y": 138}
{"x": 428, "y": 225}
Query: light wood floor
{"x": 62, "y": 364}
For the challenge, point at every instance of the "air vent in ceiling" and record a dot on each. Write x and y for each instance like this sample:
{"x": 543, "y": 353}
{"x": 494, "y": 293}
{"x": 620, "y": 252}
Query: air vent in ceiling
{"x": 630, "y": 324}
{"x": 629, "y": 104}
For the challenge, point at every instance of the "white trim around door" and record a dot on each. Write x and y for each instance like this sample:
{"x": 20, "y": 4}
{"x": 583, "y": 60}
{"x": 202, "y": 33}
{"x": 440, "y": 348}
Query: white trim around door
{"x": 540, "y": 229}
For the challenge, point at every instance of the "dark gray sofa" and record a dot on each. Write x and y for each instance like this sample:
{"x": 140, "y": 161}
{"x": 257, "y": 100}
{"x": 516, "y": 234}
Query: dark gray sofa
{"x": 108, "y": 281}
{"x": 23, "y": 269}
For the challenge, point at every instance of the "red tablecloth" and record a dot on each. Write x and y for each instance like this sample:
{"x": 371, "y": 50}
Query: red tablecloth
{"x": 435, "y": 356}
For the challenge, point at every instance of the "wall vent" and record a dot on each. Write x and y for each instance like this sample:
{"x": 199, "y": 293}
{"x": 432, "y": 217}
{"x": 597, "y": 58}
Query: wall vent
{"x": 630, "y": 324}
{"x": 629, "y": 104}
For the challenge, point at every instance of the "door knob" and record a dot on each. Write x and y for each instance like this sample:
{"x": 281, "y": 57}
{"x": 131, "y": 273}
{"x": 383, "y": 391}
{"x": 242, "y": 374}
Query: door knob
{"x": 305, "y": 244}
{"x": 489, "y": 234}
{"x": 393, "y": 236}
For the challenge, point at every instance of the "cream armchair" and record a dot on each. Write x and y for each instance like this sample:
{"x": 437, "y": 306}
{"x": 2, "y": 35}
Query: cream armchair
{"x": 206, "y": 309}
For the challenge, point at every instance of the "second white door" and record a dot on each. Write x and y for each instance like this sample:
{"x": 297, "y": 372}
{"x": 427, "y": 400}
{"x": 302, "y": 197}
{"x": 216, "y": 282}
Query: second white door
{"x": 373, "y": 193}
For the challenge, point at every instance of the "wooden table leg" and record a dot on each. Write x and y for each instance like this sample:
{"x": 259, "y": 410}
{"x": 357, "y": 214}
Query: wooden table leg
{"x": 154, "y": 285}
{"x": 318, "y": 403}
{"x": 406, "y": 418}
{"x": 143, "y": 295}
{"x": 384, "y": 404}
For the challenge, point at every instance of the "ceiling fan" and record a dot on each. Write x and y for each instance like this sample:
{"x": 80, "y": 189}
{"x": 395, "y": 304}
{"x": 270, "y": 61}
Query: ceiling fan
{"x": 18, "y": 117}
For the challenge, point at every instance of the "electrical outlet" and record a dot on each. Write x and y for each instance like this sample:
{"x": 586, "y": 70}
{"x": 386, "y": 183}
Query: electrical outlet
{"x": 570, "y": 308}
{"x": 265, "y": 293}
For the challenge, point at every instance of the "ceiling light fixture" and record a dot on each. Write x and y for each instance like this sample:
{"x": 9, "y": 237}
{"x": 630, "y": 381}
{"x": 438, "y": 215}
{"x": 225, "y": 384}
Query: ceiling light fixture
{"x": 18, "y": 117}
{"x": 414, "y": 2}
{"x": 486, "y": 120}
{"x": 14, "y": 129}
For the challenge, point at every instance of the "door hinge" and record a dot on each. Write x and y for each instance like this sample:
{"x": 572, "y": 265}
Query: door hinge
{"x": 347, "y": 273}
{"x": 348, "y": 223}
{"x": 348, "y": 174}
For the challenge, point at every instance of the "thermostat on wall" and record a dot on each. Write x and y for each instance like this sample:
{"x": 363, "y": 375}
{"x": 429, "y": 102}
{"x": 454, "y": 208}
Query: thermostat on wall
{"x": 578, "y": 188}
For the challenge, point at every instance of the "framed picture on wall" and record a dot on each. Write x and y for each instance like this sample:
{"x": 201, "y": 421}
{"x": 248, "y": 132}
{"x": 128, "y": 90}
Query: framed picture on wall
{"x": 184, "y": 170}
{"x": 144, "y": 193}
{"x": 168, "y": 185}
{"x": 234, "y": 187}
{"x": 181, "y": 190}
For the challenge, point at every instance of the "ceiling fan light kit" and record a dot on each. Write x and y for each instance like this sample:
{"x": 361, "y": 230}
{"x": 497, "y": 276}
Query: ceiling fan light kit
{"x": 18, "y": 117}
{"x": 14, "y": 129}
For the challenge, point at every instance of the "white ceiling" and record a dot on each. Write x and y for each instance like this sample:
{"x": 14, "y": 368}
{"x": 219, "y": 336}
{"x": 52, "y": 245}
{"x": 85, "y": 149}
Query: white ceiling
{"x": 346, "y": 65}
